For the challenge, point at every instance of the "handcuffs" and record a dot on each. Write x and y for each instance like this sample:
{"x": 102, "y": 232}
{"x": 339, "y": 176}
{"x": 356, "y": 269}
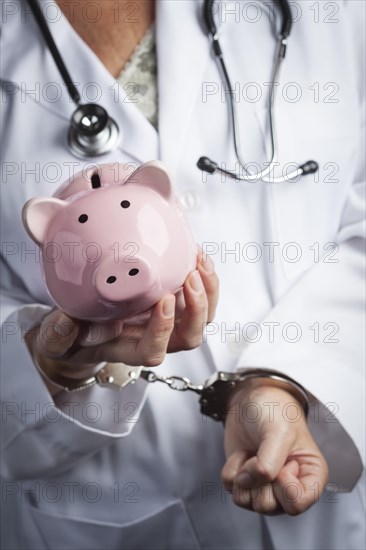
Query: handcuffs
{"x": 214, "y": 394}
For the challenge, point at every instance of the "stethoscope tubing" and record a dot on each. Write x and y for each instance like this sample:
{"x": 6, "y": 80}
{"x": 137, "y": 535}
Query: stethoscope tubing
{"x": 210, "y": 166}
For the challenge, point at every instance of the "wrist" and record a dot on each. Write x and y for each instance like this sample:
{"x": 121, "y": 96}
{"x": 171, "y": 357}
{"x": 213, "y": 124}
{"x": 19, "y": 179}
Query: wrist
{"x": 54, "y": 370}
{"x": 261, "y": 388}
{"x": 268, "y": 407}
{"x": 270, "y": 388}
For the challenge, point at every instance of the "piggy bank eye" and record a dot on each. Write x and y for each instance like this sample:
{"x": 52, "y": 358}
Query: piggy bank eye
{"x": 125, "y": 204}
{"x": 83, "y": 218}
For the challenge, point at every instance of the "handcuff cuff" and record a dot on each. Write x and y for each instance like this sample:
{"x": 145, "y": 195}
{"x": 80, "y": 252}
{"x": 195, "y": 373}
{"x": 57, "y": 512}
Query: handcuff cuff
{"x": 214, "y": 393}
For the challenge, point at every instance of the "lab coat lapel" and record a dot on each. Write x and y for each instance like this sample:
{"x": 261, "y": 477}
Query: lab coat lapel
{"x": 183, "y": 52}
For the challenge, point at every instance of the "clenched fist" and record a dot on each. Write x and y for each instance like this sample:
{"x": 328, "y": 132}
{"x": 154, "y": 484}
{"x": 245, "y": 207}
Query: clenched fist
{"x": 273, "y": 463}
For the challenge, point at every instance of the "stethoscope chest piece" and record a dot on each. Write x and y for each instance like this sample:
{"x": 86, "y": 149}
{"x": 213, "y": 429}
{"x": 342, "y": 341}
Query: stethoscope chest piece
{"x": 92, "y": 132}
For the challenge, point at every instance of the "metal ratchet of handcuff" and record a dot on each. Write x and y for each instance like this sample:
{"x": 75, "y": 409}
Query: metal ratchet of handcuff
{"x": 214, "y": 394}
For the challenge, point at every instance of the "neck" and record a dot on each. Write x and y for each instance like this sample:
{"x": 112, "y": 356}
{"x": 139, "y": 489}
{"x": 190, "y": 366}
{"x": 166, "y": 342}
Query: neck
{"x": 112, "y": 29}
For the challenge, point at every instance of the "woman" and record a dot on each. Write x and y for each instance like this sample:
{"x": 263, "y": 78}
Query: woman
{"x": 141, "y": 468}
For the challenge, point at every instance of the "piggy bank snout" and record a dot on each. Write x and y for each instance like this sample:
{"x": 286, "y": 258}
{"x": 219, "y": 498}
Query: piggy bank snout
{"x": 119, "y": 279}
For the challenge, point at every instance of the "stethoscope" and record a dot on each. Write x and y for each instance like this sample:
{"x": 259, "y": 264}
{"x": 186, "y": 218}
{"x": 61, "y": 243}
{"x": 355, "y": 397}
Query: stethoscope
{"x": 94, "y": 133}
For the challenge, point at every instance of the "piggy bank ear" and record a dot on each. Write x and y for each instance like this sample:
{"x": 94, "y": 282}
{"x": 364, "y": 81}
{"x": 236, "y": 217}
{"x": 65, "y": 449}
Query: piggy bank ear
{"x": 153, "y": 174}
{"x": 37, "y": 215}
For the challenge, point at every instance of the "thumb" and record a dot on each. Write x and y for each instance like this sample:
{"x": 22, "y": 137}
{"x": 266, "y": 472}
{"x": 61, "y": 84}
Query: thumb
{"x": 274, "y": 448}
{"x": 57, "y": 334}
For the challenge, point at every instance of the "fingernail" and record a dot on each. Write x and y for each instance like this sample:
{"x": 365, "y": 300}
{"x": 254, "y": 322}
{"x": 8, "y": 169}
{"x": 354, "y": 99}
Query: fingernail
{"x": 244, "y": 479}
{"x": 195, "y": 282}
{"x": 207, "y": 264}
{"x": 169, "y": 306}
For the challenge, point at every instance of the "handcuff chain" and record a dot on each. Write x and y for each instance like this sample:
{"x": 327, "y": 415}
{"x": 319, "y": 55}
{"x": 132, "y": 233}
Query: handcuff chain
{"x": 177, "y": 383}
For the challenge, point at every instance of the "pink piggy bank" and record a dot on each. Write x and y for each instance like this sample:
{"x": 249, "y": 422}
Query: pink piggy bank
{"x": 112, "y": 248}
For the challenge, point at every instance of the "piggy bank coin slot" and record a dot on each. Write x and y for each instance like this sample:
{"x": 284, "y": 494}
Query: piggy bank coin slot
{"x": 95, "y": 181}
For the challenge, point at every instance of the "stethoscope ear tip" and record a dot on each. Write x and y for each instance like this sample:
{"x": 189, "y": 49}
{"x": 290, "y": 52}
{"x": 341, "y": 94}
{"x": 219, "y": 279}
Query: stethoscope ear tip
{"x": 206, "y": 165}
{"x": 309, "y": 167}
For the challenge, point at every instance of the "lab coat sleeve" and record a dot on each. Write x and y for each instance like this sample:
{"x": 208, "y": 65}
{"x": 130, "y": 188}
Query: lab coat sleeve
{"x": 42, "y": 437}
{"x": 315, "y": 334}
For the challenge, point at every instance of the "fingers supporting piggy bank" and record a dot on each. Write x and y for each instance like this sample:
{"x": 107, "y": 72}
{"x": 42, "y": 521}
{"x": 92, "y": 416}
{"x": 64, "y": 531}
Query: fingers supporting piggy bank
{"x": 112, "y": 249}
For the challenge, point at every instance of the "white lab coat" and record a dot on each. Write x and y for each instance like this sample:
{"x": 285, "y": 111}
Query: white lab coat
{"x": 141, "y": 468}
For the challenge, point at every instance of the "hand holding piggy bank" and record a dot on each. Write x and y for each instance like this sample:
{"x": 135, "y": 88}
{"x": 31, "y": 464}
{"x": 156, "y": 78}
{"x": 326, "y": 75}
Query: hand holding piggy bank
{"x": 112, "y": 249}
